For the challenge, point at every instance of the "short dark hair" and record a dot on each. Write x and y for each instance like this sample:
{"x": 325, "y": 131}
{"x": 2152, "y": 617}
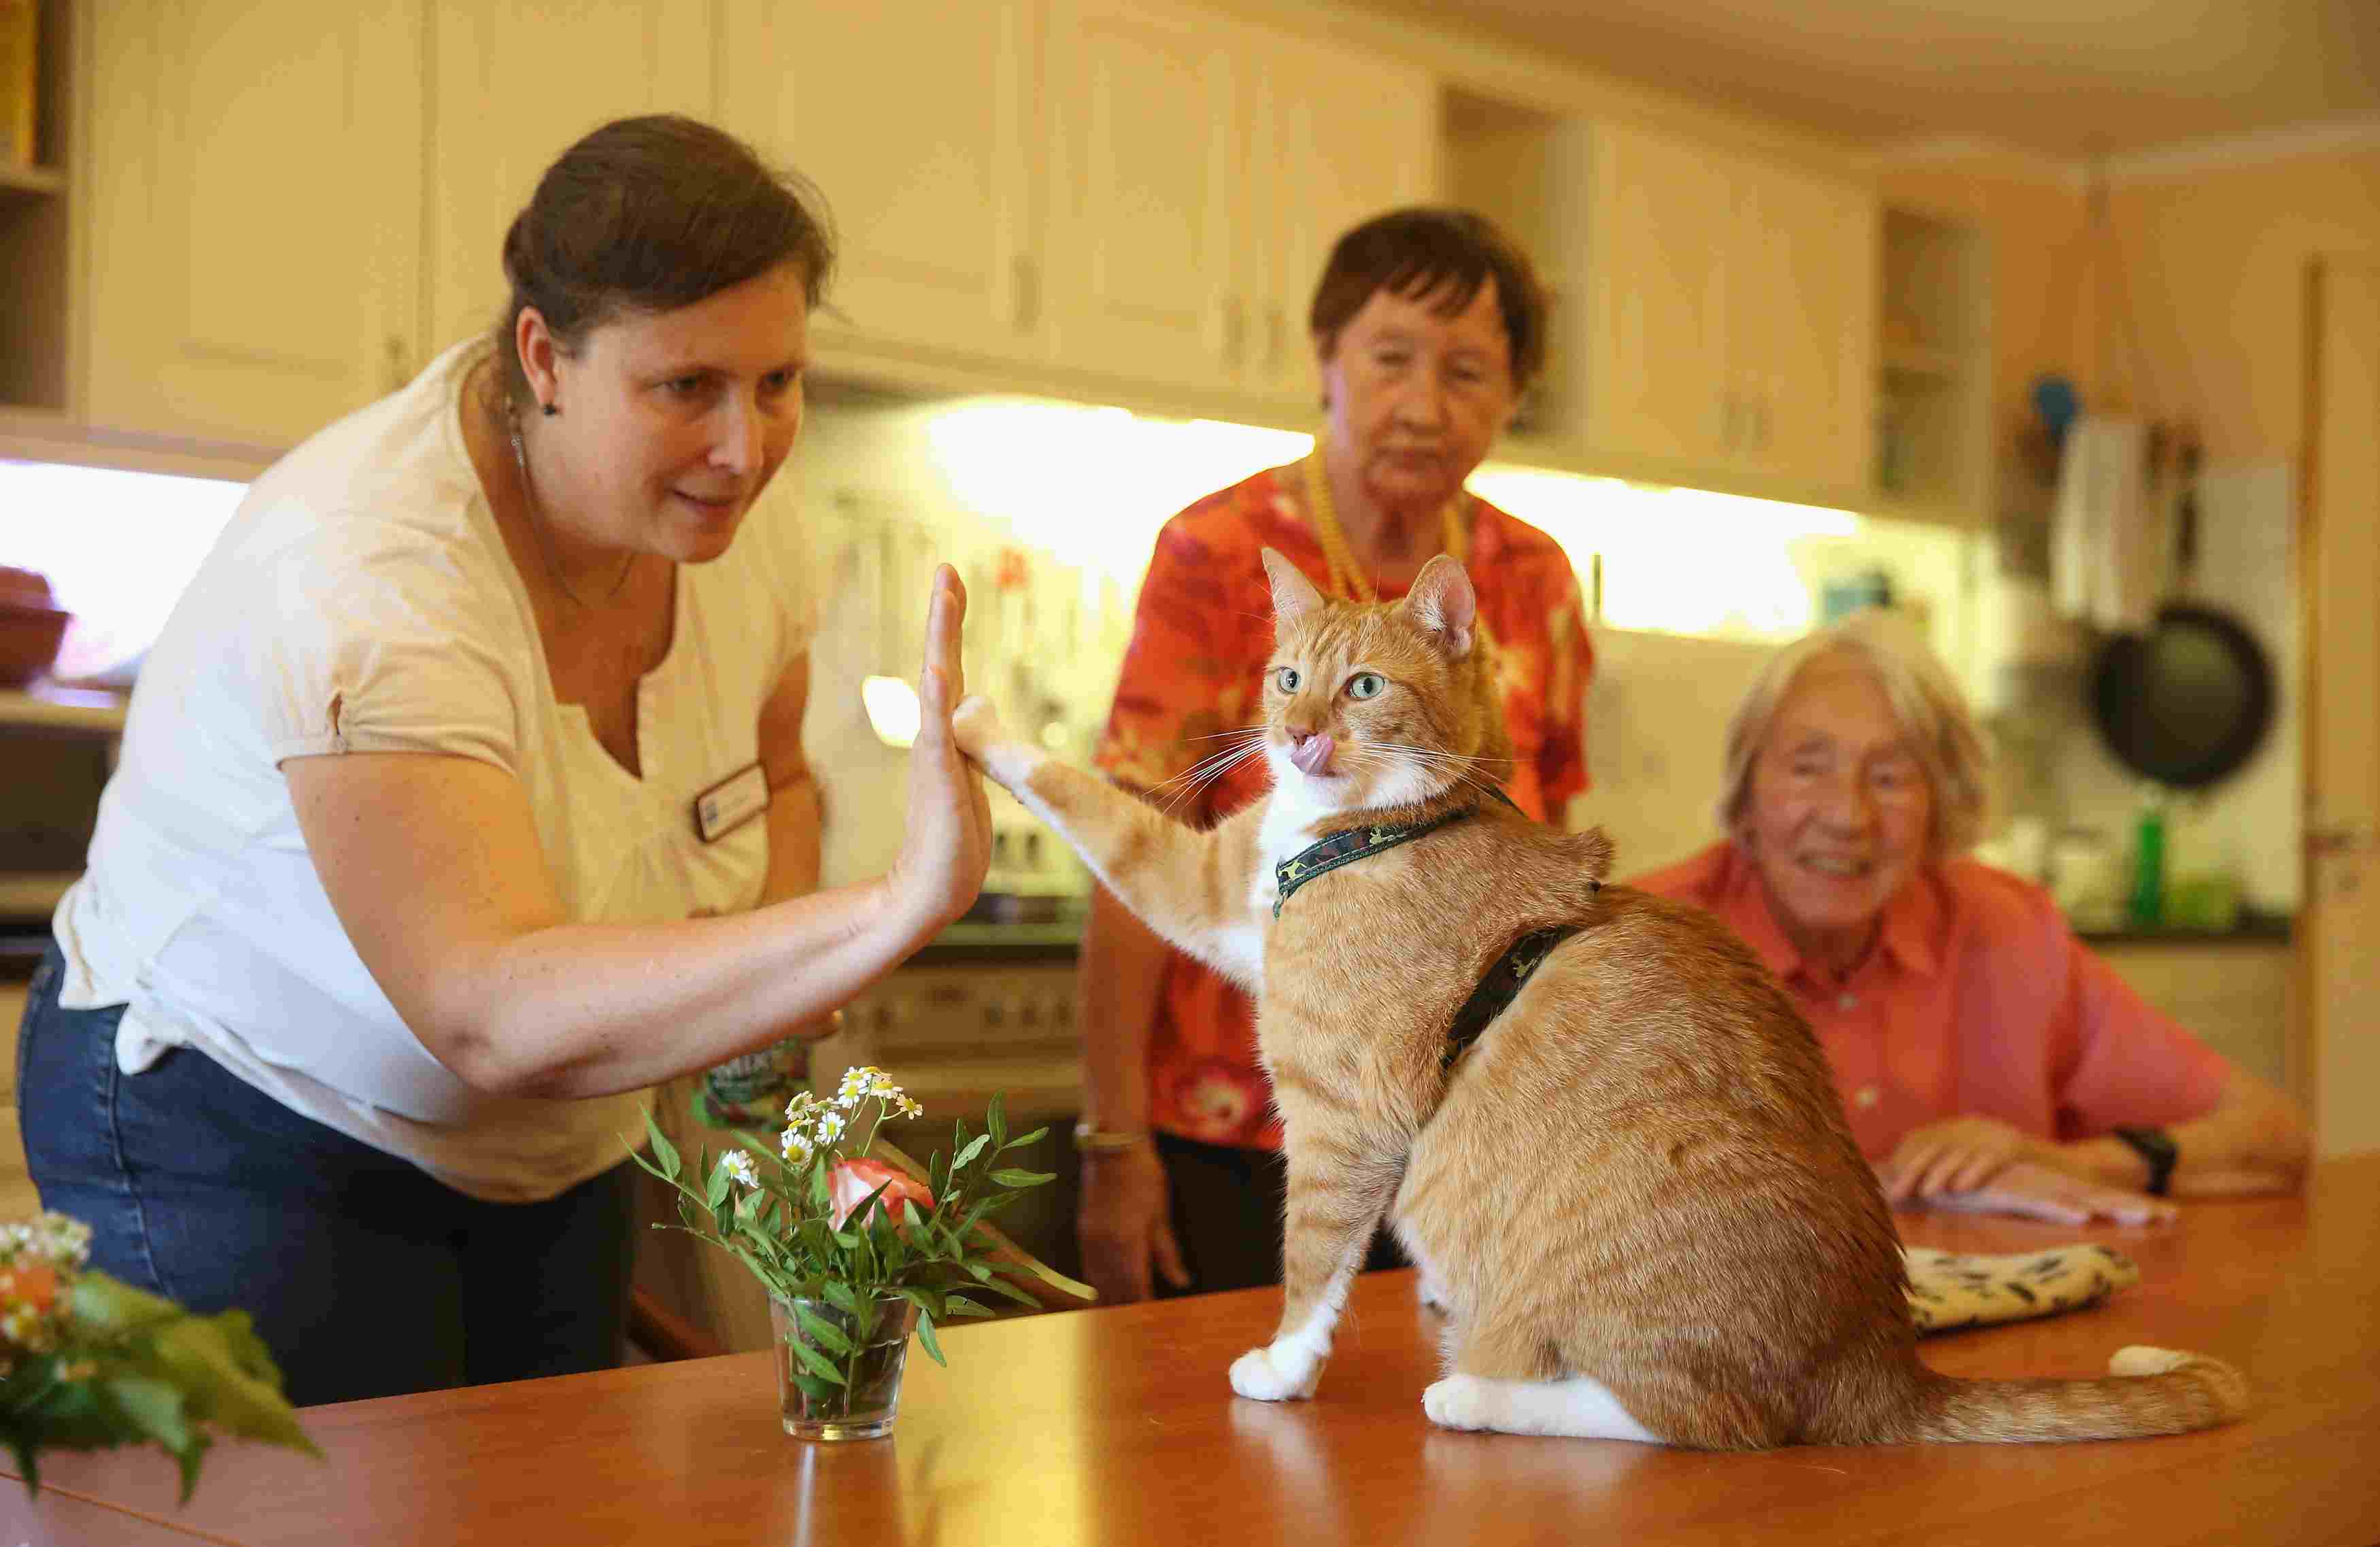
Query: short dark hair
{"x": 1434, "y": 251}
{"x": 648, "y": 214}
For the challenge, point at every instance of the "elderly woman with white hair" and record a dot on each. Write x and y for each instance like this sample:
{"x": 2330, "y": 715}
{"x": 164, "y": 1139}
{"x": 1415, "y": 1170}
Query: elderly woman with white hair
{"x": 1986, "y": 1057}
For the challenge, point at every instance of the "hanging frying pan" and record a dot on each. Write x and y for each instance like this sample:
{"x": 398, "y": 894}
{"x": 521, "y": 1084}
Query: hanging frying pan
{"x": 2189, "y": 701}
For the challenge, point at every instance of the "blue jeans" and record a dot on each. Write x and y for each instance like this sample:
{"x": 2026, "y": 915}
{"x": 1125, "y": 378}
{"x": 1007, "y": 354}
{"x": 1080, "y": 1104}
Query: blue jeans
{"x": 365, "y": 1276}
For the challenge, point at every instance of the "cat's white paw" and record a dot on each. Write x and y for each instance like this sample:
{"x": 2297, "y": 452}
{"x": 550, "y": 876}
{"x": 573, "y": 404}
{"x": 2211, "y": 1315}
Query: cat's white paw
{"x": 1276, "y": 1372}
{"x": 975, "y": 726}
{"x": 1460, "y": 1402}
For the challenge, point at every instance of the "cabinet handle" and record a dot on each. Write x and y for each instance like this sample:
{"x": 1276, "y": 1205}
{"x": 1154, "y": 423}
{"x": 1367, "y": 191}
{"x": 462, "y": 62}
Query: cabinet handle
{"x": 1224, "y": 327}
{"x": 1758, "y": 409}
{"x": 1730, "y": 417}
{"x": 1024, "y": 296}
{"x": 1276, "y": 336}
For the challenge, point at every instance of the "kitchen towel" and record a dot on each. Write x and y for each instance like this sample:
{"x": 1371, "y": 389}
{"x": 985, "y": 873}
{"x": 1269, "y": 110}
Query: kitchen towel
{"x": 2104, "y": 563}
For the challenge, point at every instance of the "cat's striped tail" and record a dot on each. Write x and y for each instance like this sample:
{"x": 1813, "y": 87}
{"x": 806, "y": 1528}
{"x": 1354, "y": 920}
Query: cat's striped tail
{"x": 2146, "y": 1391}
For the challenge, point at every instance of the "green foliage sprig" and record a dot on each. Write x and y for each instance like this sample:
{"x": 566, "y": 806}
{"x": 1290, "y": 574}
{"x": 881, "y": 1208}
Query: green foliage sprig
{"x": 88, "y": 1362}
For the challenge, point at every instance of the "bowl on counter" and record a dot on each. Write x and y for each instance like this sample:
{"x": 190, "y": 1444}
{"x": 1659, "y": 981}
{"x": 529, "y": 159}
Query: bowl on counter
{"x": 32, "y": 626}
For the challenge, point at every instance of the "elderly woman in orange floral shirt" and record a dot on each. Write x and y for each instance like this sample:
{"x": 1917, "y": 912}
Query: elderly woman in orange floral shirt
{"x": 1427, "y": 323}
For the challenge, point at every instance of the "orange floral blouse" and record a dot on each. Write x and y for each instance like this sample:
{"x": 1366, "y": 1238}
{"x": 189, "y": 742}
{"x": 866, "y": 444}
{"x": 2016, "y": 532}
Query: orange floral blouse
{"x": 1194, "y": 670}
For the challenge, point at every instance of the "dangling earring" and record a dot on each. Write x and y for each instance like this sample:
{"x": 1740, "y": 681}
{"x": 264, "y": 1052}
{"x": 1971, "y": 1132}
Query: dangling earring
{"x": 551, "y": 409}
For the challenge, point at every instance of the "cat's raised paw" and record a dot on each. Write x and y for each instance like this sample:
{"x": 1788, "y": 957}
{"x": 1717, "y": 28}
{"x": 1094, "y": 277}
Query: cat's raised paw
{"x": 975, "y": 726}
{"x": 1275, "y": 1373}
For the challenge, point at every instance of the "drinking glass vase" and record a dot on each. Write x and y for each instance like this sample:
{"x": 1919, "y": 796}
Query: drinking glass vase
{"x": 867, "y": 1350}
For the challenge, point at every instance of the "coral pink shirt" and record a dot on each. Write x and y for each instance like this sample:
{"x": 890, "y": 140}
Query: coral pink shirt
{"x": 1979, "y": 1000}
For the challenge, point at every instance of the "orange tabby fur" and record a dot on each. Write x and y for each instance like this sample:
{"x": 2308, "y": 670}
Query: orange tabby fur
{"x": 1636, "y": 1196}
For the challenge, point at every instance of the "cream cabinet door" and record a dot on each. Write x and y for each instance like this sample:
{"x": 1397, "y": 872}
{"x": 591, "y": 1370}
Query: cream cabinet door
{"x": 1657, "y": 374}
{"x": 1335, "y": 139}
{"x": 919, "y": 123}
{"x": 1802, "y": 308}
{"x": 256, "y": 203}
{"x": 1146, "y": 167}
{"x": 513, "y": 84}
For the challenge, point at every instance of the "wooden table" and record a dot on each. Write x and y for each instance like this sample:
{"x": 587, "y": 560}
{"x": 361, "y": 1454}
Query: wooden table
{"x": 1117, "y": 1426}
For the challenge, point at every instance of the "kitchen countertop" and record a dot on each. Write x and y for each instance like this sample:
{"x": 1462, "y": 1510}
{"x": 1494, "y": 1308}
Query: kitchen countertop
{"x": 2252, "y": 928}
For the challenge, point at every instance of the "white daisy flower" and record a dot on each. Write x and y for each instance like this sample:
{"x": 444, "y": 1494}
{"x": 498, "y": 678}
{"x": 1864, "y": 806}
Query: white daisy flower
{"x": 830, "y": 1126}
{"x": 739, "y": 1165}
{"x": 855, "y": 1084}
{"x": 796, "y": 1146}
{"x": 908, "y": 1108}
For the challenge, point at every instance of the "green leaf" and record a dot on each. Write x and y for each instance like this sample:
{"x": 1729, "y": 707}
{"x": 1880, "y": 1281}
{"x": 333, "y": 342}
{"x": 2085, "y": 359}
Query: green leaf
{"x": 959, "y": 1161}
{"x": 994, "y": 1121}
{"x": 1009, "y": 1177}
{"x": 663, "y": 1150}
{"x": 152, "y": 1406}
{"x": 1036, "y": 1137}
{"x": 926, "y": 1336}
{"x": 841, "y": 1296}
{"x": 821, "y": 1329}
{"x": 955, "y": 1305}
{"x": 927, "y": 1298}
{"x": 998, "y": 1286}
{"x": 820, "y": 1365}
{"x": 716, "y": 1193}
{"x": 811, "y": 1386}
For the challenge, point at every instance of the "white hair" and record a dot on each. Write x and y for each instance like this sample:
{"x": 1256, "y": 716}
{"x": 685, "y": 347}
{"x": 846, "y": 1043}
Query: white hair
{"x": 1932, "y": 713}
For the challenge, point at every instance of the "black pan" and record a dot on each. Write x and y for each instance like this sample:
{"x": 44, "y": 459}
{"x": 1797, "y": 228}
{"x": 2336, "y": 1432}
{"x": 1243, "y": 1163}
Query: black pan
{"x": 2186, "y": 703}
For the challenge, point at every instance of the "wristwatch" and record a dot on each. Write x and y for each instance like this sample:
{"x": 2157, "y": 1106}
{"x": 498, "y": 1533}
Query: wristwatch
{"x": 2156, "y": 1147}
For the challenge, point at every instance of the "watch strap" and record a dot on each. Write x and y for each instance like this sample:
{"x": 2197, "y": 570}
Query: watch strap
{"x": 2156, "y": 1147}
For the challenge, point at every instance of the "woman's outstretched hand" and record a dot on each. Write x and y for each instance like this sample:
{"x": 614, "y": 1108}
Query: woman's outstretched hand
{"x": 948, "y": 846}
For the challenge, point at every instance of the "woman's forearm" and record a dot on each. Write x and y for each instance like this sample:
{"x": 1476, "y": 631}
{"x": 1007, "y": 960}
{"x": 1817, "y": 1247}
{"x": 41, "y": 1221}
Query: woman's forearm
{"x": 577, "y": 1010}
{"x": 1117, "y": 984}
{"x": 2252, "y": 1142}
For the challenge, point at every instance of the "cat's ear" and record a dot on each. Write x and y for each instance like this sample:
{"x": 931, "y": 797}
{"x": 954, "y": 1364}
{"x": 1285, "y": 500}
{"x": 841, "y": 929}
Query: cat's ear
{"x": 1443, "y": 602}
{"x": 1293, "y": 595}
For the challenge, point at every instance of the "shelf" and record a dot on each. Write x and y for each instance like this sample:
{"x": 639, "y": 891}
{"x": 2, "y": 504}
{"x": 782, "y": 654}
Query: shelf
{"x": 37, "y": 180}
{"x": 47, "y": 706}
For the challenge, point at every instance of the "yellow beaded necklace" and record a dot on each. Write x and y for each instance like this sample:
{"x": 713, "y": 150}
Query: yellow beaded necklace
{"x": 1347, "y": 577}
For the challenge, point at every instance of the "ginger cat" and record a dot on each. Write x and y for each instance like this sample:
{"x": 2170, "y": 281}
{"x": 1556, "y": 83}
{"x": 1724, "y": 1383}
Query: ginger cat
{"x": 1634, "y": 1196}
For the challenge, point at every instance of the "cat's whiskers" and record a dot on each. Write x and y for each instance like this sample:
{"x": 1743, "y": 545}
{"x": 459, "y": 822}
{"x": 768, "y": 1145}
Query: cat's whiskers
{"x": 1246, "y": 743}
{"x": 1463, "y": 767}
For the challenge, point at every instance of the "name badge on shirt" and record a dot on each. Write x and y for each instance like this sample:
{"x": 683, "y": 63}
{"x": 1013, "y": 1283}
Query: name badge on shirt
{"x": 730, "y": 803}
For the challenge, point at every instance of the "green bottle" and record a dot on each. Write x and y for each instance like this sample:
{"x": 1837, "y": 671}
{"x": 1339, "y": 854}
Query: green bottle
{"x": 2147, "y": 907}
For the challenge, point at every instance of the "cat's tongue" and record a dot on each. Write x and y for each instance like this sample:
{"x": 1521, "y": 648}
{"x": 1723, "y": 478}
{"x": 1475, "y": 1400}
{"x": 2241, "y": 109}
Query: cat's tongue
{"x": 1313, "y": 754}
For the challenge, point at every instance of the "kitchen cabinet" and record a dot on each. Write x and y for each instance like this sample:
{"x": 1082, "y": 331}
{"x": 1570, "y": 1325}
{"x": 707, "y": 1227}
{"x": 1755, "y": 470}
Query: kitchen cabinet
{"x": 933, "y": 202}
{"x": 2237, "y": 994}
{"x": 1143, "y": 158}
{"x": 1336, "y": 139}
{"x": 1730, "y": 311}
{"x": 513, "y": 84}
{"x": 255, "y": 186}
{"x": 1200, "y": 171}
{"x": 18, "y": 1198}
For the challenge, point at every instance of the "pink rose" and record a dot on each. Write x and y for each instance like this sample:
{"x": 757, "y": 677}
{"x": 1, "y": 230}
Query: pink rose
{"x": 851, "y": 1181}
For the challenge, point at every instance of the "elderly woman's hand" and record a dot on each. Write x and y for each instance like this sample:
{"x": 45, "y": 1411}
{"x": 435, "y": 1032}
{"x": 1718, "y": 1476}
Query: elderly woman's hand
{"x": 1957, "y": 1154}
{"x": 2031, "y": 1191}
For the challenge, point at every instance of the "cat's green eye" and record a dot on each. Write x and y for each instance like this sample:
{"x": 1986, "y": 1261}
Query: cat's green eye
{"x": 1286, "y": 678}
{"x": 1365, "y": 685}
